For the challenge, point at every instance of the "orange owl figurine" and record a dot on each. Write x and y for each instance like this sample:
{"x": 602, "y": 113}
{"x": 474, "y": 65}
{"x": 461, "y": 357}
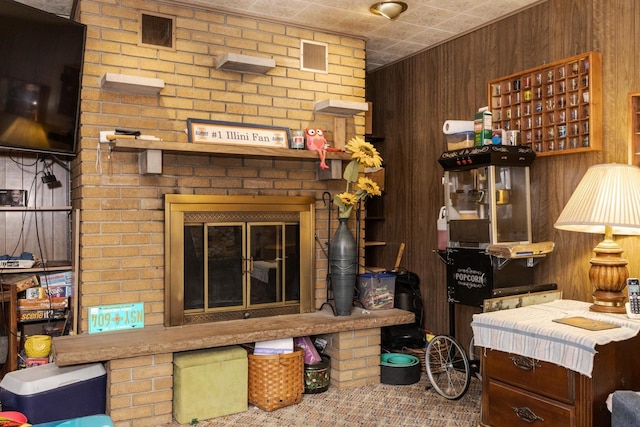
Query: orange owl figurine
{"x": 317, "y": 142}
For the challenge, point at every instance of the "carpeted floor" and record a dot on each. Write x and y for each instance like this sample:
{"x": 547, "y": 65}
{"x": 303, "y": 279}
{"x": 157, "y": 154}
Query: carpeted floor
{"x": 376, "y": 405}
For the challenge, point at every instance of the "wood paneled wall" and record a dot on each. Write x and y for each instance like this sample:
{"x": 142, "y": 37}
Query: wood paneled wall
{"x": 413, "y": 98}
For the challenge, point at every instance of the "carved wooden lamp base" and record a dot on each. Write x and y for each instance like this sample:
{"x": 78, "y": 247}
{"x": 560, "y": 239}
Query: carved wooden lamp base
{"x": 608, "y": 275}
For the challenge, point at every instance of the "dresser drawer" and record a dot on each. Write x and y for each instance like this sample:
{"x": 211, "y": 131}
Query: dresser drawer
{"x": 512, "y": 407}
{"x": 544, "y": 378}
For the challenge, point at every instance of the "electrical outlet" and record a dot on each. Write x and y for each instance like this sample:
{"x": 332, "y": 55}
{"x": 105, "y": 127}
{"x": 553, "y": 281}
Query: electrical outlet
{"x": 104, "y": 133}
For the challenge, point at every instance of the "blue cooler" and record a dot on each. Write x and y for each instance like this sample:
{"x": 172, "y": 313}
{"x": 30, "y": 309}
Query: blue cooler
{"x": 49, "y": 393}
{"x": 90, "y": 421}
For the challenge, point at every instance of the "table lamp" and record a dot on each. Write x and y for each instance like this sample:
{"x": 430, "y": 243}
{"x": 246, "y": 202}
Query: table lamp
{"x": 607, "y": 200}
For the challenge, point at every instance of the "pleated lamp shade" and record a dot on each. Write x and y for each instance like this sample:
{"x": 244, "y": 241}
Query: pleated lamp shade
{"x": 606, "y": 201}
{"x": 607, "y": 195}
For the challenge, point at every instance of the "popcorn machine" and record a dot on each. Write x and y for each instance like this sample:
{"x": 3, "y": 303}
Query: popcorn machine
{"x": 489, "y": 250}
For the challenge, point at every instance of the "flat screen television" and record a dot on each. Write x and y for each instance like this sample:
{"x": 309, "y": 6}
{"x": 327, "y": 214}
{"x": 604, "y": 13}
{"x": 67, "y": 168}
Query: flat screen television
{"x": 41, "y": 58}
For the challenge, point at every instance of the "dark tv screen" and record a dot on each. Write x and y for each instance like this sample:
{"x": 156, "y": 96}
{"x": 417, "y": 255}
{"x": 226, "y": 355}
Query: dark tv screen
{"x": 41, "y": 58}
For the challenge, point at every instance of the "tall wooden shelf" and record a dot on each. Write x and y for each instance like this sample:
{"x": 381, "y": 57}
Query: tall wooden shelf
{"x": 374, "y": 243}
{"x": 374, "y": 225}
{"x": 17, "y": 331}
{"x": 9, "y": 301}
{"x": 556, "y": 107}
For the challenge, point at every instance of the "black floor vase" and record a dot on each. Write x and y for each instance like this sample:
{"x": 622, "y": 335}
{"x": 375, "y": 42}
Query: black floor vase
{"x": 343, "y": 264}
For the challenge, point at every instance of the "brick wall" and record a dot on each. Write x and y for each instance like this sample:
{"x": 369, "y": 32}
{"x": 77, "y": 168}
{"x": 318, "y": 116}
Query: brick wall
{"x": 122, "y": 220}
{"x": 355, "y": 357}
{"x": 140, "y": 390}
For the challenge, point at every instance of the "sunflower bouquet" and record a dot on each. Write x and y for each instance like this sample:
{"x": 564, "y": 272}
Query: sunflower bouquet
{"x": 363, "y": 154}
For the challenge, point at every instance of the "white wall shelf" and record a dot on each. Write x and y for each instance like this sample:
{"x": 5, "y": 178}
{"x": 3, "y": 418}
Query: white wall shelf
{"x": 244, "y": 63}
{"x": 340, "y": 108}
{"x": 135, "y": 84}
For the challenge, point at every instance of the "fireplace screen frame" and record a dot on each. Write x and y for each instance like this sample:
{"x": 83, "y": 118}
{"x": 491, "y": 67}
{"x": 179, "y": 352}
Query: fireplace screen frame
{"x": 179, "y": 207}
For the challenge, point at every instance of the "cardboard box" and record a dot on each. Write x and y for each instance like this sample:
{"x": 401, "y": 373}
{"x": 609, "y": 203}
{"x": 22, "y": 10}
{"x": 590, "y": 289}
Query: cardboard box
{"x": 30, "y": 362}
{"x": 482, "y": 124}
{"x": 43, "y": 303}
{"x": 21, "y": 281}
{"x": 62, "y": 278}
{"x": 35, "y": 293}
{"x": 16, "y": 263}
{"x": 59, "y": 291}
{"x": 27, "y": 315}
{"x": 51, "y": 291}
{"x": 49, "y": 393}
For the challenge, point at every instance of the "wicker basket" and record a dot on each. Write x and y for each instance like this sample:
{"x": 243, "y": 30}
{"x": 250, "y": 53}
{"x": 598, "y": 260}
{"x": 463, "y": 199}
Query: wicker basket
{"x": 419, "y": 353}
{"x": 277, "y": 380}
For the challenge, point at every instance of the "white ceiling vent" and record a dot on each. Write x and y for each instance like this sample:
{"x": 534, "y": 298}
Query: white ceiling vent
{"x": 314, "y": 56}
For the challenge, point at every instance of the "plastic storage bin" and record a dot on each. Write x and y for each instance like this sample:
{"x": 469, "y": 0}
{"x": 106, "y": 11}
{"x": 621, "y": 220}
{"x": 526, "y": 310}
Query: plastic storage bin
{"x": 377, "y": 290}
{"x": 49, "y": 393}
{"x": 457, "y": 141}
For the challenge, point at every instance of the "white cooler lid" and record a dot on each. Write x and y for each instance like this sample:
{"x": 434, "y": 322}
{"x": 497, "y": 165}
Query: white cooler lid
{"x": 48, "y": 377}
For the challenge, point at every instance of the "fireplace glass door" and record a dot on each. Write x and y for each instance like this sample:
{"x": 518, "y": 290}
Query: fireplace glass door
{"x": 241, "y": 265}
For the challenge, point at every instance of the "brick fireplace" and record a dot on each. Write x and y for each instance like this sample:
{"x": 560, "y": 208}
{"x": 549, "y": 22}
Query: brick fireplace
{"x": 121, "y": 226}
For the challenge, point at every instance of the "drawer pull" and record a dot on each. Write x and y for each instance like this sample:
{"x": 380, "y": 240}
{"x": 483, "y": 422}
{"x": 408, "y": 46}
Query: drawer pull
{"x": 527, "y": 415}
{"x": 524, "y": 363}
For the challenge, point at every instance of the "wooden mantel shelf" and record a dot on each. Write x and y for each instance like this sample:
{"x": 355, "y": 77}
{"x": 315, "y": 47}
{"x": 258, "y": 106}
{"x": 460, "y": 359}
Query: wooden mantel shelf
{"x": 225, "y": 149}
{"x": 78, "y": 349}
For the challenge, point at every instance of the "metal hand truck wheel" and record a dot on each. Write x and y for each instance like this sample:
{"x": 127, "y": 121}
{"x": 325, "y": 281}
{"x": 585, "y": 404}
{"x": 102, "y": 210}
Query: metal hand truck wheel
{"x": 447, "y": 367}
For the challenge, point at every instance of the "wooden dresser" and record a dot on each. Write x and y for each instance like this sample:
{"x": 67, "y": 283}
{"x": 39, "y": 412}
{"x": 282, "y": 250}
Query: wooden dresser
{"x": 520, "y": 391}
